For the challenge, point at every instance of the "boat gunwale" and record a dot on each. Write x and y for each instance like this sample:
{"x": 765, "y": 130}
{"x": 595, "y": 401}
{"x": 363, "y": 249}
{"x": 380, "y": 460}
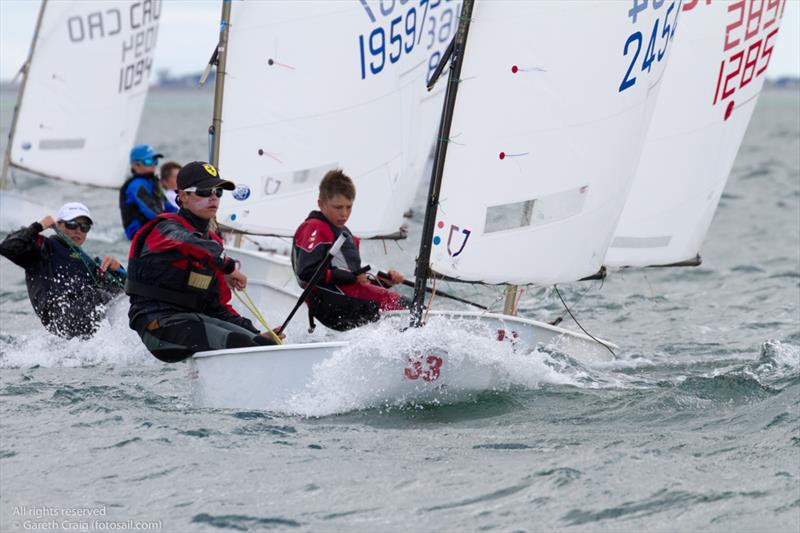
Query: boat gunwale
{"x": 268, "y": 348}
{"x": 274, "y": 256}
{"x": 513, "y": 318}
{"x": 339, "y": 344}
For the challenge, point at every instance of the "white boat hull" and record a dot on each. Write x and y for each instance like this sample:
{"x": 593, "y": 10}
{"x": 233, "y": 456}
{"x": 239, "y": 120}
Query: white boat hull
{"x": 283, "y": 378}
{"x": 374, "y": 371}
{"x": 527, "y": 332}
{"x": 265, "y": 266}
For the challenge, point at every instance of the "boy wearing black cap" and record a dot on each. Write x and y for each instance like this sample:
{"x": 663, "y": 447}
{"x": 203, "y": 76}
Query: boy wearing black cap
{"x": 141, "y": 198}
{"x": 179, "y": 276}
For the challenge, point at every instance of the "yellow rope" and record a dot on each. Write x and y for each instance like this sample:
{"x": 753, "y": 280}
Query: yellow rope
{"x": 520, "y": 290}
{"x": 430, "y": 302}
{"x": 251, "y": 306}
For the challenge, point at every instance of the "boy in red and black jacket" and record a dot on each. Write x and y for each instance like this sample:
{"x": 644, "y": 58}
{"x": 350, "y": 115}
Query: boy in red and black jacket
{"x": 179, "y": 276}
{"x": 344, "y": 297}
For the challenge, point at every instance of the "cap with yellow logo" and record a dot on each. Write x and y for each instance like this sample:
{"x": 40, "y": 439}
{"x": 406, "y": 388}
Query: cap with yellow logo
{"x": 202, "y": 175}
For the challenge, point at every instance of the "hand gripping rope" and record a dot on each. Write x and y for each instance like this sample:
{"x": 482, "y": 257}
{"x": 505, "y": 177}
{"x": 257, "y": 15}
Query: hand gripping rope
{"x": 90, "y": 265}
{"x": 251, "y": 306}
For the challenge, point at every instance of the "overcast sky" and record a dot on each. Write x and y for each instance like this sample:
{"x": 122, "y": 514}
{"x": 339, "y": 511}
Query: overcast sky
{"x": 187, "y": 33}
{"x": 189, "y": 29}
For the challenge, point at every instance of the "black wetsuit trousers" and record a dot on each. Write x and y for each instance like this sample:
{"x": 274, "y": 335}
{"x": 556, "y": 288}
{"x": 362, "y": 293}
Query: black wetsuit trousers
{"x": 177, "y": 336}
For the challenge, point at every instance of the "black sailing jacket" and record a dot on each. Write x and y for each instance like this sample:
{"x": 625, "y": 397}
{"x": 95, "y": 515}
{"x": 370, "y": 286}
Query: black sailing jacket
{"x": 176, "y": 265}
{"x": 69, "y": 300}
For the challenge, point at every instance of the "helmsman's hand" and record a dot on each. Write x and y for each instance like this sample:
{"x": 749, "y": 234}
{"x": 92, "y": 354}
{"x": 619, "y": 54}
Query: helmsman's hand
{"x": 47, "y": 222}
{"x": 267, "y": 335}
{"x": 236, "y": 280}
{"x": 395, "y": 277}
{"x": 109, "y": 262}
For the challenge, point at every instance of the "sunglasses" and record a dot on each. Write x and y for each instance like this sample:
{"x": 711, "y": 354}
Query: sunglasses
{"x": 71, "y": 224}
{"x": 206, "y": 193}
{"x": 149, "y": 162}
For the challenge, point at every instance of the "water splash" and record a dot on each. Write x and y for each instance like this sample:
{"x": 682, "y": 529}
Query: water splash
{"x": 113, "y": 344}
{"x": 364, "y": 374}
{"x": 776, "y": 361}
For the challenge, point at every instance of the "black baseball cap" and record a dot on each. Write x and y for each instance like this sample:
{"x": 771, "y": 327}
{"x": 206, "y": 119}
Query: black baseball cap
{"x": 202, "y": 175}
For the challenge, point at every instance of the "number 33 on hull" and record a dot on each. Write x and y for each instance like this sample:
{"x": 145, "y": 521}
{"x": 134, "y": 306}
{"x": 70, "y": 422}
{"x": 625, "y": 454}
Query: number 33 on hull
{"x": 274, "y": 378}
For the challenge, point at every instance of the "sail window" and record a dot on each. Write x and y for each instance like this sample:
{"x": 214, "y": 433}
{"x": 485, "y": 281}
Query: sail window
{"x": 508, "y": 216}
{"x": 535, "y": 212}
{"x": 287, "y": 181}
{"x": 313, "y": 174}
{"x": 641, "y": 242}
{"x": 62, "y": 144}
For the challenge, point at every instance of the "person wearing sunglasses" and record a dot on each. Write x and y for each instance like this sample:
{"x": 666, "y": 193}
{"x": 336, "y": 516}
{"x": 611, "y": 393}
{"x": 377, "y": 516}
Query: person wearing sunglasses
{"x": 69, "y": 290}
{"x": 141, "y": 197}
{"x": 179, "y": 279}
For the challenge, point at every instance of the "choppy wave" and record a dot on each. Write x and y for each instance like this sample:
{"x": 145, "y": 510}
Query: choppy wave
{"x": 113, "y": 344}
{"x": 777, "y": 361}
{"x": 363, "y": 374}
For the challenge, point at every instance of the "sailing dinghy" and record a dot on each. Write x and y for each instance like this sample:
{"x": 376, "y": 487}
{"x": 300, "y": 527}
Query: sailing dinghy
{"x": 708, "y": 95}
{"x": 286, "y": 113}
{"x": 81, "y": 97}
{"x": 536, "y": 155}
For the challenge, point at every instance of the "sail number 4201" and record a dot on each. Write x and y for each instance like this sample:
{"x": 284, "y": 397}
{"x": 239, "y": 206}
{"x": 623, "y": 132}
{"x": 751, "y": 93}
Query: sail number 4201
{"x": 660, "y": 37}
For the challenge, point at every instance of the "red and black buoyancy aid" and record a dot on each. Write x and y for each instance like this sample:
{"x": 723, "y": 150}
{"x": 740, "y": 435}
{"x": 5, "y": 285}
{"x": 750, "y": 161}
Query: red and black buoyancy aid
{"x": 172, "y": 265}
{"x": 331, "y": 301}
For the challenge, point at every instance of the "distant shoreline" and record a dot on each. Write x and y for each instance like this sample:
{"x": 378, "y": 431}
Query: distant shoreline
{"x": 10, "y": 88}
{"x": 190, "y": 82}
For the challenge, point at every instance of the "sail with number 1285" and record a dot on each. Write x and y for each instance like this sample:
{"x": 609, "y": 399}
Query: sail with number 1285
{"x": 709, "y": 92}
{"x": 553, "y": 107}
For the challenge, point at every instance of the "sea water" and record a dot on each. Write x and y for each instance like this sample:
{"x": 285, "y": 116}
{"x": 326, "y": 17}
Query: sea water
{"x": 694, "y": 426}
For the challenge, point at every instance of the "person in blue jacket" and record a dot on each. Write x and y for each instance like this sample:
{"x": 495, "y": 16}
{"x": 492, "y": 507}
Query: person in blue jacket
{"x": 141, "y": 197}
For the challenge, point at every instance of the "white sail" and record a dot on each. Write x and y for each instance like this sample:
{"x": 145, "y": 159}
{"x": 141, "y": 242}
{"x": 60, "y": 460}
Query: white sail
{"x": 312, "y": 86}
{"x": 552, "y": 108}
{"x": 709, "y": 91}
{"x": 425, "y": 107}
{"x": 85, "y": 89}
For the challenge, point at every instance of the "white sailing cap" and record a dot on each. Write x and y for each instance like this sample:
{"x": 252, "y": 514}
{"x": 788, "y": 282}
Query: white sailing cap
{"x": 73, "y": 210}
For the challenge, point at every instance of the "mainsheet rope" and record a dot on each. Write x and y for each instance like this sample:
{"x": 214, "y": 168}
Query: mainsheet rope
{"x": 607, "y": 347}
{"x": 430, "y": 301}
{"x": 113, "y": 276}
{"x": 250, "y": 305}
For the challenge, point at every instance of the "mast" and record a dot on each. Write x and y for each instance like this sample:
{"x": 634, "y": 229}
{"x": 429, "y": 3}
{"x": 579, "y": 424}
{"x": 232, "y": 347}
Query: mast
{"x": 219, "y": 58}
{"x": 25, "y": 68}
{"x": 513, "y": 290}
{"x": 511, "y": 299}
{"x": 423, "y": 260}
{"x": 219, "y": 83}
